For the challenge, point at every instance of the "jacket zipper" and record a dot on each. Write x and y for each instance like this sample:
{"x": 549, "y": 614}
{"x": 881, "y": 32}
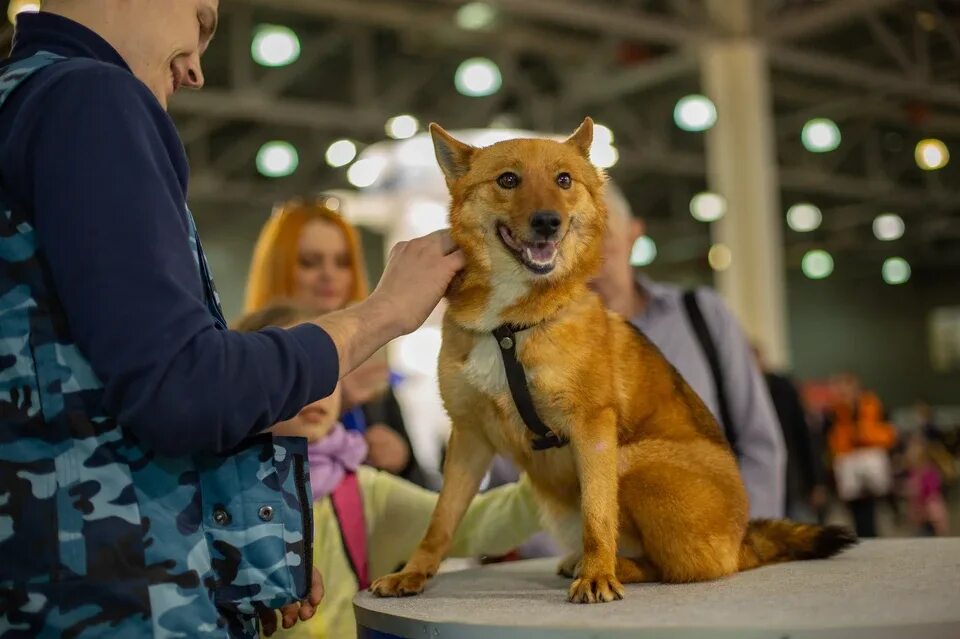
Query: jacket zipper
{"x": 306, "y": 515}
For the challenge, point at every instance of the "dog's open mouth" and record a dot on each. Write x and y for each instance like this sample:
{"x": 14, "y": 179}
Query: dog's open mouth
{"x": 539, "y": 257}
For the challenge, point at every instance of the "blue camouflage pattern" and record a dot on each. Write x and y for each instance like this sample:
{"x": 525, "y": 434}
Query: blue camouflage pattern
{"x": 100, "y": 536}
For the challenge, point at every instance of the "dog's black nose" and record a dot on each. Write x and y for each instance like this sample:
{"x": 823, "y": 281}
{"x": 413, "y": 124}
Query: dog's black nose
{"x": 545, "y": 223}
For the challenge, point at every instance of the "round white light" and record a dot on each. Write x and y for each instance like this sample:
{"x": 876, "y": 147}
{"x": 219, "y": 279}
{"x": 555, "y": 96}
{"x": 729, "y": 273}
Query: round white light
{"x": 341, "y": 153}
{"x": 364, "y": 173}
{"x": 820, "y": 135}
{"x": 277, "y": 159}
{"x": 478, "y": 77}
{"x": 275, "y": 46}
{"x": 476, "y": 16}
{"x": 644, "y": 251}
{"x": 427, "y": 216}
{"x": 817, "y": 264}
{"x": 332, "y": 203}
{"x": 402, "y": 127}
{"x": 720, "y": 257}
{"x": 931, "y": 154}
{"x": 695, "y": 113}
{"x": 708, "y": 207}
{"x": 17, "y": 7}
{"x": 896, "y": 270}
{"x": 888, "y": 227}
{"x": 604, "y": 155}
{"x": 804, "y": 218}
{"x": 602, "y": 135}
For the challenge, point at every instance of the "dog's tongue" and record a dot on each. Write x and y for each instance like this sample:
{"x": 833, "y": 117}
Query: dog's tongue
{"x": 541, "y": 252}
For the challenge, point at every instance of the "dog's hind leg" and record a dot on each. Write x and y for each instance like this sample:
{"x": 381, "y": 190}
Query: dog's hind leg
{"x": 691, "y": 521}
{"x": 635, "y": 571}
{"x": 629, "y": 571}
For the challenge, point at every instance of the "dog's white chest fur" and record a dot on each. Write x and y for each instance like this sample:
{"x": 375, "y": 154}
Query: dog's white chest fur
{"x": 512, "y": 283}
{"x": 484, "y": 367}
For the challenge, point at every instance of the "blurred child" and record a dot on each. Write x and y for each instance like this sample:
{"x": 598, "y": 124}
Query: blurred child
{"x": 368, "y": 522}
{"x": 928, "y": 510}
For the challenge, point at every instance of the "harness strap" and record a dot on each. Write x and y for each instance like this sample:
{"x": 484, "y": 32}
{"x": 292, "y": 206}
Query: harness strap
{"x": 517, "y": 380}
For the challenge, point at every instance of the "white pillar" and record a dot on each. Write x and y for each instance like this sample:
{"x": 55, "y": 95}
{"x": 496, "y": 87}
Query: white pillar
{"x": 742, "y": 166}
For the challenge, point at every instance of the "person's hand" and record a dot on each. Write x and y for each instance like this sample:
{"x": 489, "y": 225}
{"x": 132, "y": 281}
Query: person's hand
{"x": 387, "y": 449}
{"x": 416, "y": 278}
{"x": 366, "y": 382}
{"x": 291, "y": 613}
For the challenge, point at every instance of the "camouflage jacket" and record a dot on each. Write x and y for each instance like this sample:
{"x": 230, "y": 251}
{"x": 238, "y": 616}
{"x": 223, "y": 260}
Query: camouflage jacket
{"x": 99, "y": 535}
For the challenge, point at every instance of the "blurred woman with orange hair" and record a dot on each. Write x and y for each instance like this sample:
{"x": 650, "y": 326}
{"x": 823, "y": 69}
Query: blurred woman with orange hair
{"x": 309, "y": 254}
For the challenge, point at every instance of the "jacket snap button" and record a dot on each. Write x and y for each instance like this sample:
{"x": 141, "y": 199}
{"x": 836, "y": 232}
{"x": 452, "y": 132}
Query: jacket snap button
{"x": 221, "y": 516}
{"x": 506, "y": 343}
{"x": 266, "y": 513}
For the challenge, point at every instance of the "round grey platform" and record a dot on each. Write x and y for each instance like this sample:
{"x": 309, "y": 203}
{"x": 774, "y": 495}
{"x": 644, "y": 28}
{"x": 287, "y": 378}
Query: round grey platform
{"x": 899, "y": 588}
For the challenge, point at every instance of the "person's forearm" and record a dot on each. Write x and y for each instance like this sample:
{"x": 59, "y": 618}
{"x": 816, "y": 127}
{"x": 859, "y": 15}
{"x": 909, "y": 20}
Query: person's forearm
{"x": 360, "y": 331}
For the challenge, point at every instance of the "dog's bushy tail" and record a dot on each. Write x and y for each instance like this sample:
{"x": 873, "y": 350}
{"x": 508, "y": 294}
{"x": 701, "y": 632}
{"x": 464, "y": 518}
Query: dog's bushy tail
{"x": 771, "y": 541}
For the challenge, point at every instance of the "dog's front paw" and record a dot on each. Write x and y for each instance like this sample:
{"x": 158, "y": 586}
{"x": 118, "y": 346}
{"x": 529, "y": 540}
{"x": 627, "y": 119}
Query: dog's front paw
{"x": 596, "y": 589}
{"x": 399, "y": 584}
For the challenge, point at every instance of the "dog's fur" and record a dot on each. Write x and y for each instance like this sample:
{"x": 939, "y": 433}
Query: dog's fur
{"x": 647, "y": 484}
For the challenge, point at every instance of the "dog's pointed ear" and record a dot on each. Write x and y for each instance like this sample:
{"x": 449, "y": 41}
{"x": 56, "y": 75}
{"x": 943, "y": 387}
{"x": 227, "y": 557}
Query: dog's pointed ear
{"x": 453, "y": 156}
{"x": 582, "y": 138}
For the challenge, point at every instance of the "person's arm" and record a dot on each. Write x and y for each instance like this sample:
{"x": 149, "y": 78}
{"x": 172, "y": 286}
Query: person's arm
{"x": 107, "y": 181}
{"x": 496, "y": 521}
{"x": 414, "y": 280}
{"x": 759, "y": 437}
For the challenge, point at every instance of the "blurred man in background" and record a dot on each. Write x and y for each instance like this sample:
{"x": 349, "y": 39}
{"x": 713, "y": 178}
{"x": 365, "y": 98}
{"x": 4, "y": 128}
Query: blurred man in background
{"x": 701, "y": 338}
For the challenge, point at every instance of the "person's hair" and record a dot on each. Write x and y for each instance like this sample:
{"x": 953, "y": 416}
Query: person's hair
{"x": 276, "y": 253}
{"x": 281, "y": 313}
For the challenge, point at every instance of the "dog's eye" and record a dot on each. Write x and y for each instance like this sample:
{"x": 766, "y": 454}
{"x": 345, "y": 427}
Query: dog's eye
{"x": 509, "y": 180}
{"x": 564, "y": 181}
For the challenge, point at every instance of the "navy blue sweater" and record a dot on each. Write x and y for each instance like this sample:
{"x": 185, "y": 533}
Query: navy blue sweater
{"x": 89, "y": 154}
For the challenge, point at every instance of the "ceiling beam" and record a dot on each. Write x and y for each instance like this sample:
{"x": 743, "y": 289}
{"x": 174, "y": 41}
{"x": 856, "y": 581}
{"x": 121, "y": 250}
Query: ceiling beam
{"x": 855, "y": 74}
{"x": 595, "y": 16}
{"x": 638, "y": 78}
{"x": 820, "y": 101}
{"x": 810, "y": 180}
{"x": 440, "y": 23}
{"x": 815, "y": 20}
{"x": 264, "y": 109}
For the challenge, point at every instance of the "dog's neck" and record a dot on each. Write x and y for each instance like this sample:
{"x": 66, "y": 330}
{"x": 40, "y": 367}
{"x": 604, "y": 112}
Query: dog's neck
{"x": 480, "y": 301}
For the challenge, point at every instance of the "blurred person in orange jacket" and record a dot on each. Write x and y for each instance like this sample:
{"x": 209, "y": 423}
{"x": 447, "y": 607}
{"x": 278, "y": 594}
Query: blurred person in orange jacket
{"x": 859, "y": 439}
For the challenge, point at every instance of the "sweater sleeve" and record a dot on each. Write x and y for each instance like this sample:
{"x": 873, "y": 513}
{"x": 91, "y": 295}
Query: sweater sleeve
{"x": 496, "y": 521}
{"x": 108, "y": 191}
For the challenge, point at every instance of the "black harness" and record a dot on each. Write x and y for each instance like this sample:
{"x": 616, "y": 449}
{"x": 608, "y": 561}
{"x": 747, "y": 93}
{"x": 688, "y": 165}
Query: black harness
{"x": 517, "y": 380}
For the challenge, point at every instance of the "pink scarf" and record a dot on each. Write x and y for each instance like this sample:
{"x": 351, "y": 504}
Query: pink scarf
{"x": 333, "y": 464}
{"x": 331, "y": 458}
